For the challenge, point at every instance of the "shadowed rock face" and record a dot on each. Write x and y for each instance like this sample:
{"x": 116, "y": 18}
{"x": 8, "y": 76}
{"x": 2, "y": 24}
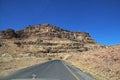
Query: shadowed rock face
{"x": 8, "y": 34}
{"x": 46, "y": 38}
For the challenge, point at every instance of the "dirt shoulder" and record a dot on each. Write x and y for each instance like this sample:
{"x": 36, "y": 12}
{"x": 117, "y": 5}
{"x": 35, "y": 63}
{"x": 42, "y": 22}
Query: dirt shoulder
{"x": 9, "y": 65}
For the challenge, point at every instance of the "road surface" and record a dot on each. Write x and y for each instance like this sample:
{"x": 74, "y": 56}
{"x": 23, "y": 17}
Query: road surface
{"x": 51, "y": 70}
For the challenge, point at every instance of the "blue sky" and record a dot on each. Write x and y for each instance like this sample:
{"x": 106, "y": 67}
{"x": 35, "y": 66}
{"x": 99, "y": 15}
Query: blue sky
{"x": 100, "y": 18}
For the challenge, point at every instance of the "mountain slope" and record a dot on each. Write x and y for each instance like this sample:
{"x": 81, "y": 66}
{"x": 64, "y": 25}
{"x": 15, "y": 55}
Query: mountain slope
{"x": 40, "y": 43}
{"x": 45, "y": 38}
{"x": 101, "y": 63}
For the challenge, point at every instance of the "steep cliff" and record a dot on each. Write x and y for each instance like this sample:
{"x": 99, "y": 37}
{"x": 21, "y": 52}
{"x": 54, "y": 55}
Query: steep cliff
{"x": 45, "y": 38}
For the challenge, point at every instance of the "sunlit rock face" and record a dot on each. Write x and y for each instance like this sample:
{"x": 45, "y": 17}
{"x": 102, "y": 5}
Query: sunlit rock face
{"x": 46, "y": 38}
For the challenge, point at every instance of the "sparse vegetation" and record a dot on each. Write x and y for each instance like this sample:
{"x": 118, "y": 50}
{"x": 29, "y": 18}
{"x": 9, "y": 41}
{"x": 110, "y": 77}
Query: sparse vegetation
{"x": 35, "y": 45}
{"x": 102, "y": 64}
{"x": 9, "y": 65}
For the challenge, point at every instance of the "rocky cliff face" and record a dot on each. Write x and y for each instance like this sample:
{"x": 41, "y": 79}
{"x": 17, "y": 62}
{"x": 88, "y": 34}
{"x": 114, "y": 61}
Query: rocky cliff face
{"x": 46, "y": 38}
{"x": 48, "y": 31}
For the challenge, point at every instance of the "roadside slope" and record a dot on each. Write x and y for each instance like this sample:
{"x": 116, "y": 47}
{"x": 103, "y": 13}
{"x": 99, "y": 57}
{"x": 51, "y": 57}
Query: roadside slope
{"x": 103, "y": 63}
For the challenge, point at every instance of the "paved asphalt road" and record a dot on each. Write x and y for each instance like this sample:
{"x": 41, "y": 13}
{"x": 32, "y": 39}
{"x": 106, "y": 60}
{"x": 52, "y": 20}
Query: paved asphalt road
{"x": 51, "y": 70}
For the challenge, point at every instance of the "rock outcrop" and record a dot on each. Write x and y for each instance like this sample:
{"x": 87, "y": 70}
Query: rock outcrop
{"x": 8, "y": 34}
{"x": 46, "y": 38}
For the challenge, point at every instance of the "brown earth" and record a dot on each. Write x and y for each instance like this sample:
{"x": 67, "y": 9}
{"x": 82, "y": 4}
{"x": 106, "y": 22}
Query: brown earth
{"x": 104, "y": 64}
{"x": 9, "y": 65}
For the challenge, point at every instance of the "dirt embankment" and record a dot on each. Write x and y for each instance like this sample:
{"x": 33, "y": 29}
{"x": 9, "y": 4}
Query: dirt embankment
{"x": 9, "y": 65}
{"x": 104, "y": 64}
